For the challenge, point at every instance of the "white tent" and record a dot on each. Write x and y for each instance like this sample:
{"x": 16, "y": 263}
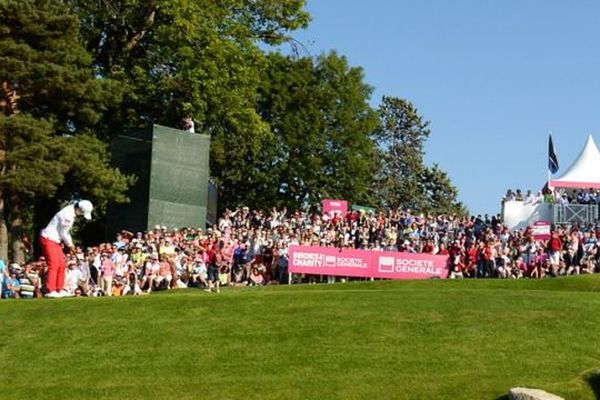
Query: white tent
{"x": 584, "y": 173}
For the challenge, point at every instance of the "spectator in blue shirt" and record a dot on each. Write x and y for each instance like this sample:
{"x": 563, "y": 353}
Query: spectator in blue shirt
{"x": 11, "y": 287}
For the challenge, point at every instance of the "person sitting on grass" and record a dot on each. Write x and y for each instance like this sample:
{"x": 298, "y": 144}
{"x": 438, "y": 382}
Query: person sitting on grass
{"x": 30, "y": 281}
{"x": 117, "y": 288}
{"x": 132, "y": 285}
{"x": 503, "y": 268}
{"x": 256, "y": 278}
{"x": 164, "y": 276}
{"x": 84, "y": 276}
{"x": 150, "y": 271}
{"x": 456, "y": 268}
{"x": 225, "y": 275}
{"x": 73, "y": 277}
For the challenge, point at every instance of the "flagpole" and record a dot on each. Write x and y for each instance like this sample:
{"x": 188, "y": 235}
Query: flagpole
{"x": 549, "y": 172}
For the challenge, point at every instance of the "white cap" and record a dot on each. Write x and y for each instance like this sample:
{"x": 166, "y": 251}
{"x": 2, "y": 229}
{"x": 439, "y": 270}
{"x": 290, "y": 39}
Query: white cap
{"x": 86, "y": 207}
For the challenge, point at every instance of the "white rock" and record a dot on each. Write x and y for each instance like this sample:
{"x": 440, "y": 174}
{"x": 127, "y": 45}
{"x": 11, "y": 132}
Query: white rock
{"x": 531, "y": 394}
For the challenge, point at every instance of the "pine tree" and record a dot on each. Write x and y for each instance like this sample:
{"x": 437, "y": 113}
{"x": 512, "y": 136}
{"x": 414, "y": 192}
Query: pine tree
{"x": 403, "y": 180}
{"x": 51, "y": 96}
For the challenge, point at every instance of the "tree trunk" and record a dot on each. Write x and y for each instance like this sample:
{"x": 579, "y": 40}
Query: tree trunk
{"x": 3, "y": 231}
{"x": 16, "y": 229}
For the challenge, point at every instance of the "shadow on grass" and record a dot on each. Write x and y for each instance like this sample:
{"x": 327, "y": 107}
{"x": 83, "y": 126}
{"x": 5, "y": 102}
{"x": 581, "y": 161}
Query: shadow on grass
{"x": 594, "y": 381}
{"x": 505, "y": 397}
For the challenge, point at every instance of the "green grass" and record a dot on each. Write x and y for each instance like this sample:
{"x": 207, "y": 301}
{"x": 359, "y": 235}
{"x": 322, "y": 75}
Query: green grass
{"x": 376, "y": 340}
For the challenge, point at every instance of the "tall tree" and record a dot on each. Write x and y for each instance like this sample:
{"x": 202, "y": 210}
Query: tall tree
{"x": 321, "y": 121}
{"x": 403, "y": 180}
{"x": 60, "y": 100}
{"x": 400, "y": 137}
{"x": 201, "y": 58}
{"x": 439, "y": 192}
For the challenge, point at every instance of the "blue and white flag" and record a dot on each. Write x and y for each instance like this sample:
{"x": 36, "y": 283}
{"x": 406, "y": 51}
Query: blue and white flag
{"x": 552, "y": 158}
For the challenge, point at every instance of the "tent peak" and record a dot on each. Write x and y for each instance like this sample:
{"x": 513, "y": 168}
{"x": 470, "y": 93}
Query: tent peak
{"x": 584, "y": 170}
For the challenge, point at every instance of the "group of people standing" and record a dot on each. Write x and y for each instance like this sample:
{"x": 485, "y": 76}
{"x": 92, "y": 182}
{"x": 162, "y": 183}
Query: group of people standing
{"x": 250, "y": 248}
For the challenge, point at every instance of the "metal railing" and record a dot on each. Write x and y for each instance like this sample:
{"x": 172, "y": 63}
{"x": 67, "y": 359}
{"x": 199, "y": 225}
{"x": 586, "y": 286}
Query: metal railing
{"x": 575, "y": 213}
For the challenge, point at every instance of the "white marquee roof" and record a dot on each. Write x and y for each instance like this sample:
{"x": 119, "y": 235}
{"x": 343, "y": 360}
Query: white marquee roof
{"x": 584, "y": 173}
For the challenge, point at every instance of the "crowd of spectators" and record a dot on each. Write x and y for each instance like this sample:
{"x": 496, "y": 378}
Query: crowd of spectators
{"x": 558, "y": 196}
{"x": 250, "y": 248}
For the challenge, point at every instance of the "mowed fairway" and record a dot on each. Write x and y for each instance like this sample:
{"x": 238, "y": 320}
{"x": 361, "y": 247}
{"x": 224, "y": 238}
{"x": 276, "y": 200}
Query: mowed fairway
{"x": 362, "y": 340}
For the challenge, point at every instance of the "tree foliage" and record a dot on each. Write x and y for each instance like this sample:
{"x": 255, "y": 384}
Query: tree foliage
{"x": 440, "y": 195}
{"x": 284, "y": 130}
{"x": 45, "y": 138}
{"x": 321, "y": 122}
{"x": 403, "y": 180}
{"x": 201, "y": 58}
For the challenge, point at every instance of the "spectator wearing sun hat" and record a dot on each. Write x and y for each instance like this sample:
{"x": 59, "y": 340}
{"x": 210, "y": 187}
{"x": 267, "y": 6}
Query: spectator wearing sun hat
{"x": 11, "y": 287}
{"x": 150, "y": 271}
{"x": 59, "y": 231}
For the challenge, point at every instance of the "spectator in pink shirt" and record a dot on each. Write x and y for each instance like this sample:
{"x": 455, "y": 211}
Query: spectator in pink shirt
{"x": 164, "y": 273}
{"x": 107, "y": 269}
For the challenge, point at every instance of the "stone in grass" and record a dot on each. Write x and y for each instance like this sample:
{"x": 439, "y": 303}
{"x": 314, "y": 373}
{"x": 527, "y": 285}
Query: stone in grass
{"x": 531, "y": 394}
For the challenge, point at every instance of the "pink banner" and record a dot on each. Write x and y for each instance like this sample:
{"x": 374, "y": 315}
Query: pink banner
{"x": 335, "y": 206}
{"x": 366, "y": 263}
{"x": 541, "y": 230}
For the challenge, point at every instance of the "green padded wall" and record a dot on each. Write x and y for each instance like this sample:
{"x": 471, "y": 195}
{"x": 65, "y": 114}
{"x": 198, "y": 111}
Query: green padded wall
{"x": 211, "y": 207}
{"x": 131, "y": 153}
{"x": 172, "y": 167}
{"x": 178, "y": 178}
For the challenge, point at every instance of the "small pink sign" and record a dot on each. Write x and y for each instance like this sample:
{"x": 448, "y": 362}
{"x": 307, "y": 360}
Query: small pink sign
{"x": 366, "y": 263}
{"x": 335, "y": 207}
{"x": 541, "y": 230}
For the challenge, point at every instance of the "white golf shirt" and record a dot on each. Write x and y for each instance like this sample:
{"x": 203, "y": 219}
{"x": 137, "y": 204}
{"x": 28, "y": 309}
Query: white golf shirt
{"x": 60, "y": 226}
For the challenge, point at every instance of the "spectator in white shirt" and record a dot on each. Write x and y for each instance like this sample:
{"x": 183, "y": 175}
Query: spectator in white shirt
{"x": 530, "y": 198}
{"x": 73, "y": 278}
{"x": 188, "y": 124}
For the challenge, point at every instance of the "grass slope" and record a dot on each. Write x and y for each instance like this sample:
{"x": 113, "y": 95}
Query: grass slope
{"x": 400, "y": 340}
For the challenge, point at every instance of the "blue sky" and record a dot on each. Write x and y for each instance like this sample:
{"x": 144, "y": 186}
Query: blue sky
{"x": 493, "y": 77}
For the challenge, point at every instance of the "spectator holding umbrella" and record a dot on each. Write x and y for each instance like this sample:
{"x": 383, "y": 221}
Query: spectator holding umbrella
{"x": 59, "y": 231}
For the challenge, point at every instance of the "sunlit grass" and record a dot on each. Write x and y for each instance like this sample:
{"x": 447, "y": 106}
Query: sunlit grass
{"x": 362, "y": 340}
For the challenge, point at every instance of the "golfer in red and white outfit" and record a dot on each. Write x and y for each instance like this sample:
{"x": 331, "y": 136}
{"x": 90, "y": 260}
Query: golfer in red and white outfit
{"x": 57, "y": 231}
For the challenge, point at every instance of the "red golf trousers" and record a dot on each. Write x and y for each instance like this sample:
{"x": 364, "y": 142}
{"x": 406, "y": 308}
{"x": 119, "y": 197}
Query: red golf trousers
{"x": 55, "y": 258}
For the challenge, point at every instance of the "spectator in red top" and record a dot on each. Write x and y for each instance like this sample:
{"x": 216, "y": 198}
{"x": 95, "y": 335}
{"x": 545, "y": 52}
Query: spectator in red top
{"x": 471, "y": 260}
{"x": 488, "y": 259}
{"x": 555, "y": 247}
{"x": 428, "y": 248}
{"x": 443, "y": 250}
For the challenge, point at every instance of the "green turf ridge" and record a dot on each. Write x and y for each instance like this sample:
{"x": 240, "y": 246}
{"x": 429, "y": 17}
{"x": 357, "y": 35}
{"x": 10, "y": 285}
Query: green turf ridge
{"x": 435, "y": 339}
